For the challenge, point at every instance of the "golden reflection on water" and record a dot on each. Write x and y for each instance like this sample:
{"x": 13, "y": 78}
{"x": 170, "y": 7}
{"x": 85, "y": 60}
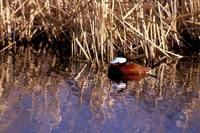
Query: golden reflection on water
{"x": 37, "y": 95}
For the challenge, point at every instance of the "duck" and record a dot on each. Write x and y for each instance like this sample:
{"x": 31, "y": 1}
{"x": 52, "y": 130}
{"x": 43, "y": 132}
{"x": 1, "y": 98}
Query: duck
{"x": 120, "y": 70}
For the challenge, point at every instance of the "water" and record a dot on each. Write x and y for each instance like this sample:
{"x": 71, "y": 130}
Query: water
{"x": 38, "y": 94}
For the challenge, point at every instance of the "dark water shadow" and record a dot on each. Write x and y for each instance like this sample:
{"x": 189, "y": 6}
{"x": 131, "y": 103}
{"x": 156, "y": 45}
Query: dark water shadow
{"x": 40, "y": 95}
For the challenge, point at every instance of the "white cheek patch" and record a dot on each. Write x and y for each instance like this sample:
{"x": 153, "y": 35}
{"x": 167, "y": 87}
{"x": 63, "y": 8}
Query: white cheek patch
{"x": 118, "y": 60}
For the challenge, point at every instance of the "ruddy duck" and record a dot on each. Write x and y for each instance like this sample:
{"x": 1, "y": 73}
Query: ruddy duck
{"x": 120, "y": 70}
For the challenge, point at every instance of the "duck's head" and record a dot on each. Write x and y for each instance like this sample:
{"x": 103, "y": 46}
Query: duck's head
{"x": 114, "y": 72}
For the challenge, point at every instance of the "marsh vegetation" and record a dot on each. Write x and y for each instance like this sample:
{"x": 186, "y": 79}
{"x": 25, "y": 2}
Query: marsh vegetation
{"x": 54, "y": 57}
{"x": 96, "y": 30}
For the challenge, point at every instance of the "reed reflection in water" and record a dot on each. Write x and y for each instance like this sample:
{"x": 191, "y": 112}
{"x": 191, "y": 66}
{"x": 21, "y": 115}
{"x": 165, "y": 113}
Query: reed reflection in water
{"x": 39, "y": 95}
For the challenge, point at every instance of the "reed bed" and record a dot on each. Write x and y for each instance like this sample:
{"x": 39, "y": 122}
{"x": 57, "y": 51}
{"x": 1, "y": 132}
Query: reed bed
{"x": 97, "y": 29}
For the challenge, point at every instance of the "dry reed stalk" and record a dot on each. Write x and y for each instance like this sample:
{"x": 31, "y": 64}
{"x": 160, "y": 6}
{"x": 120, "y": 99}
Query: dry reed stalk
{"x": 100, "y": 28}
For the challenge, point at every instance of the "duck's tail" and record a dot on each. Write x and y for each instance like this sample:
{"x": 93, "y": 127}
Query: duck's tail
{"x": 151, "y": 72}
{"x": 162, "y": 60}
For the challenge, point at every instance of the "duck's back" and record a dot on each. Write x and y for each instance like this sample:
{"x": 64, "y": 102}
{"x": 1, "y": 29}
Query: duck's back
{"x": 134, "y": 69}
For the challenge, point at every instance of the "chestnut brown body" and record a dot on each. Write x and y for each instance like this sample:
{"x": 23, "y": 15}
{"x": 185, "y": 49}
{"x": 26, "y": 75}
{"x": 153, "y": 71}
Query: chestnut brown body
{"x": 126, "y": 72}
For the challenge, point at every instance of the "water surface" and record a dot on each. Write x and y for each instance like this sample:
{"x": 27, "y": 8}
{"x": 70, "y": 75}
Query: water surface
{"x": 41, "y": 94}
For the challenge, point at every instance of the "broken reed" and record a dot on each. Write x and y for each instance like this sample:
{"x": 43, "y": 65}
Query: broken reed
{"x": 97, "y": 29}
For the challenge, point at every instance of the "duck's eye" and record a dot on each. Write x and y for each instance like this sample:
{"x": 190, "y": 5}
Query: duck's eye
{"x": 118, "y": 60}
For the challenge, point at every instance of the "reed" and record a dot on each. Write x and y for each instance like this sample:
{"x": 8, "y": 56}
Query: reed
{"x": 98, "y": 29}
